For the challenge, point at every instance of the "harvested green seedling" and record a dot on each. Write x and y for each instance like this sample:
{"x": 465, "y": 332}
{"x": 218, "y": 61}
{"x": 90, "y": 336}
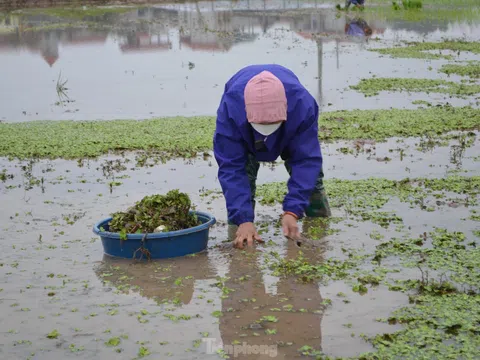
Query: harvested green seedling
{"x": 156, "y": 213}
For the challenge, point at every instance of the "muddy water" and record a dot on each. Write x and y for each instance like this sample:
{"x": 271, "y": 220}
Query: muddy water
{"x": 168, "y": 60}
{"x": 54, "y": 275}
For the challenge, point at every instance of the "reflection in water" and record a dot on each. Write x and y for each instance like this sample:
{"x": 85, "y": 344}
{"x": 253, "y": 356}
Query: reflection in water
{"x": 165, "y": 281}
{"x": 94, "y": 52}
{"x": 358, "y": 27}
{"x": 47, "y": 42}
{"x": 279, "y": 324}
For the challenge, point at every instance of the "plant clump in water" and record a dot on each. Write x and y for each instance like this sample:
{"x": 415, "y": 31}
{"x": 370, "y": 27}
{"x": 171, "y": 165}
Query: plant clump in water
{"x": 471, "y": 69}
{"x": 409, "y": 4}
{"x": 156, "y": 213}
{"x": 374, "y": 86}
{"x": 421, "y": 50}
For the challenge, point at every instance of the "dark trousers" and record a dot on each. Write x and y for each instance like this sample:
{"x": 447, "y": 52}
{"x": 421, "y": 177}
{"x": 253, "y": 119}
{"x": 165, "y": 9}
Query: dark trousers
{"x": 252, "y": 171}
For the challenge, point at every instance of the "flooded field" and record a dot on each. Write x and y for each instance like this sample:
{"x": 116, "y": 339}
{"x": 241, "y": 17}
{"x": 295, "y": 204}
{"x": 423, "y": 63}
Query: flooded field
{"x": 395, "y": 272}
{"x": 173, "y": 60}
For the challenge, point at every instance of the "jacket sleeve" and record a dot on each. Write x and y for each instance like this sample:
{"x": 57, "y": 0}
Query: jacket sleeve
{"x": 231, "y": 155}
{"x": 305, "y": 159}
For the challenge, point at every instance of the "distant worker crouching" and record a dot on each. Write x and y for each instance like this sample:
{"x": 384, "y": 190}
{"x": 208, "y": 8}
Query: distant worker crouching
{"x": 357, "y": 3}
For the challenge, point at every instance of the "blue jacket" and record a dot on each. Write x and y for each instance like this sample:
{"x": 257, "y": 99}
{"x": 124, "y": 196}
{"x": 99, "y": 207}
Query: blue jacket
{"x": 296, "y": 140}
{"x": 356, "y": 2}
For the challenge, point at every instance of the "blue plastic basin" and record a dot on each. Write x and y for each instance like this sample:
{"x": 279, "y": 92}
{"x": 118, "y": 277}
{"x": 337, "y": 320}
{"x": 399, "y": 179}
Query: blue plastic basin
{"x": 160, "y": 245}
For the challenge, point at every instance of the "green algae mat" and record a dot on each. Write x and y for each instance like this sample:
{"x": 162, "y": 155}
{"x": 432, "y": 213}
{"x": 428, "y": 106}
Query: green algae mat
{"x": 470, "y": 69}
{"x": 373, "y": 86}
{"x": 430, "y": 50}
{"x": 185, "y": 137}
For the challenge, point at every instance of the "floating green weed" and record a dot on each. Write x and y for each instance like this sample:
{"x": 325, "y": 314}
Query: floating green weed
{"x": 4, "y": 176}
{"x": 408, "y": 4}
{"x": 420, "y": 50}
{"x": 114, "y": 341}
{"x": 143, "y": 351}
{"x": 305, "y": 271}
{"x": 269, "y": 318}
{"x": 436, "y": 327}
{"x": 70, "y": 139}
{"x": 185, "y": 137}
{"x": 176, "y": 319}
{"x": 471, "y": 69}
{"x": 74, "y": 348}
{"x": 446, "y": 254}
{"x": 373, "y": 86}
{"x": 382, "y": 124}
{"x": 53, "y": 334}
{"x": 217, "y": 314}
{"x": 363, "y": 198}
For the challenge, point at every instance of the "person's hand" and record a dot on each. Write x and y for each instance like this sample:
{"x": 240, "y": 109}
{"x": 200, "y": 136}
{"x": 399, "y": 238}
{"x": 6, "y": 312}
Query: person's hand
{"x": 290, "y": 226}
{"x": 246, "y": 231}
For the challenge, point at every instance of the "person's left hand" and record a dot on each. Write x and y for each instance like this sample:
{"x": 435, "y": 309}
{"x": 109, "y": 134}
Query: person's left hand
{"x": 290, "y": 226}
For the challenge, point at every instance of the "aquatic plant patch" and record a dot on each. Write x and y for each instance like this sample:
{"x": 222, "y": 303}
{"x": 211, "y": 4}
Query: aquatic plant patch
{"x": 443, "y": 3}
{"x": 79, "y": 139}
{"x": 442, "y": 320}
{"x": 444, "y": 291}
{"x": 471, "y": 69}
{"x": 408, "y": 4}
{"x": 358, "y": 196}
{"x": 435, "y": 327}
{"x": 424, "y": 50}
{"x": 432, "y": 12}
{"x": 373, "y": 86}
{"x": 185, "y": 137}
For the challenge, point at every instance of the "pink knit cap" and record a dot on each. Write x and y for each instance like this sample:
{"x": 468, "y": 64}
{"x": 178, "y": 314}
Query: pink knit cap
{"x": 265, "y": 102}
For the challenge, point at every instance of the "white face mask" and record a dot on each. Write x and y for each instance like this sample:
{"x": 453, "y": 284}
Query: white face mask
{"x": 266, "y": 129}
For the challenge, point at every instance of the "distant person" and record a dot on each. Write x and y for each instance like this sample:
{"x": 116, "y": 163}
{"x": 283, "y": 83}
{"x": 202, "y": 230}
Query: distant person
{"x": 265, "y": 112}
{"x": 357, "y": 3}
{"x": 357, "y": 27}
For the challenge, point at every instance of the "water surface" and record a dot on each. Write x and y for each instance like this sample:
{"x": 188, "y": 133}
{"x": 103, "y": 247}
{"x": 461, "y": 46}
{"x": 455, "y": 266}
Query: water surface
{"x": 174, "y": 59}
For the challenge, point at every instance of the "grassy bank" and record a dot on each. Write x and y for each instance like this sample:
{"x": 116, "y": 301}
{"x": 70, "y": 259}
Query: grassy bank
{"x": 181, "y": 136}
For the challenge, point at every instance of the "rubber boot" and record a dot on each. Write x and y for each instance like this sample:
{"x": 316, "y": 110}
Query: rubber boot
{"x": 319, "y": 206}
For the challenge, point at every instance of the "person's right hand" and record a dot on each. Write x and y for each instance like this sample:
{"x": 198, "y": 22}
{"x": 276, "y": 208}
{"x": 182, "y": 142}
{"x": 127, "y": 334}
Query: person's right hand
{"x": 246, "y": 231}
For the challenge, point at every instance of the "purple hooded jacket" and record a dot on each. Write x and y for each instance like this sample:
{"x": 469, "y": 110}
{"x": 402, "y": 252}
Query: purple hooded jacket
{"x": 296, "y": 140}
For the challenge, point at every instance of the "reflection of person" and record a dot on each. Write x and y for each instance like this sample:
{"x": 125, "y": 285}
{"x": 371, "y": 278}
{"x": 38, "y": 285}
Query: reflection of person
{"x": 357, "y": 3}
{"x": 265, "y": 112}
{"x": 292, "y": 316}
{"x": 358, "y": 27}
